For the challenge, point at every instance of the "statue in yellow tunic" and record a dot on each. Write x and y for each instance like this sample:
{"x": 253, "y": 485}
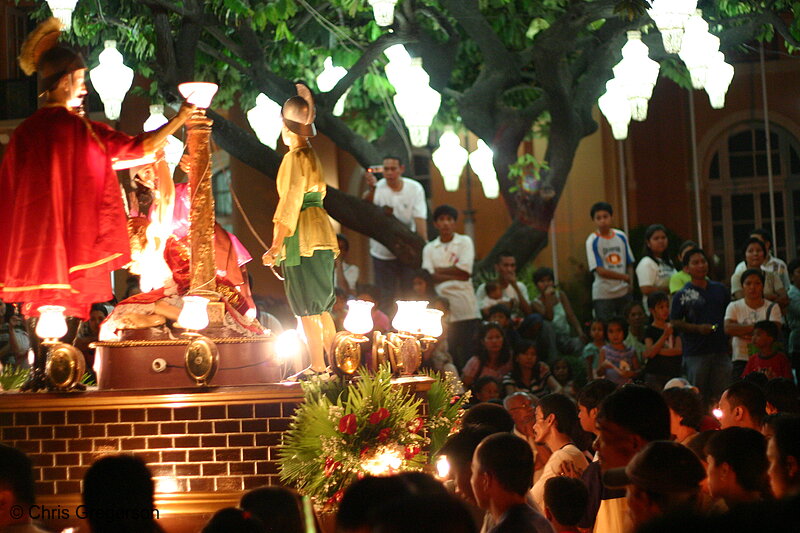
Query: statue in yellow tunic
{"x": 303, "y": 240}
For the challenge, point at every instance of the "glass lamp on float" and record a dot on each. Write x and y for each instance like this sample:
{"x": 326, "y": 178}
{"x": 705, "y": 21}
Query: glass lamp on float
{"x": 199, "y": 93}
{"x": 64, "y": 364}
{"x": 201, "y": 358}
{"x": 417, "y": 328}
{"x": 347, "y": 344}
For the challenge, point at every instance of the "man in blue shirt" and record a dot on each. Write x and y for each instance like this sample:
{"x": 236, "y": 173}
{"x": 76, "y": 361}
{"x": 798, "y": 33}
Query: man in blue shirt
{"x": 698, "y": 313}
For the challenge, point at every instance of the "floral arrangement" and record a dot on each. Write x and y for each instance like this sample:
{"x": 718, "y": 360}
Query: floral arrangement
{"x": 344, "y": 431}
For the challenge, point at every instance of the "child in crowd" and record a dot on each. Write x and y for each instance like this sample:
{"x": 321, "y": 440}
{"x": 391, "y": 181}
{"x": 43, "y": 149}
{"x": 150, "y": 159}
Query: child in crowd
{"x": 663, "y": 349}
{"x": 494, "y": 296}
{"x": 766, "y": 360}
{"x": 501, "y": 314}
{"x": 485, "y": 389}
{"x": 681, "y": 277}
{"x": 611, "y": 260}
{"x": 554, "y": 306}
{"x": 654, "y": 269}
{"x": 422, "y": 285}
{"x": 617, "y": 362}
{"x": 380, "y": 321}
{"x": 636, "y": 319}
{"x": 528, "y": 373}
{"x": 565, "y": 500}
{"x": 562, "y": 371}
{"x": 591, "y": 352}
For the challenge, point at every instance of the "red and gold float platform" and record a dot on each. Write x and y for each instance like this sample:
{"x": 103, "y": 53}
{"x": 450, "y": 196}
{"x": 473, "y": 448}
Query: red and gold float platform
{"x": 204, "y": 445}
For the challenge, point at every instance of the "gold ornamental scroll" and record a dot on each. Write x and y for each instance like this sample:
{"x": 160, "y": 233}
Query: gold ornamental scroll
{"x": 201, "y": 214}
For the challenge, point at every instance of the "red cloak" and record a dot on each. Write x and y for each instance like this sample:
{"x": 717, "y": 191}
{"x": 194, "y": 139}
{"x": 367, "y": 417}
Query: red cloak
{"x": 63, "y": 224}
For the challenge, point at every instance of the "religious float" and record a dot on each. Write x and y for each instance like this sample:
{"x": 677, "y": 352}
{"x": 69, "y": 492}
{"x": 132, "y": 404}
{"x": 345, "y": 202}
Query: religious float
{"x": 189, "y": 381}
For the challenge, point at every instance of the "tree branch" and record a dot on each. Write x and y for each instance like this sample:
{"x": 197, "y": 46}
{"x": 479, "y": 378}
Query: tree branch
{"x": 370, "y": 55}
{"x": 219, "y": 56}
{"x": 468, "y": 15}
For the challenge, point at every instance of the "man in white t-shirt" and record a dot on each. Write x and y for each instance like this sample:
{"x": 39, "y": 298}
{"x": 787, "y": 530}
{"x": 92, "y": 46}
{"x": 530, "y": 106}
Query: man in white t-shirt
{"x": 514, "y": 293}
{"x": 405, "y": 199}
{"x": 556, "y": 422}
{"x": 449, "y": 258}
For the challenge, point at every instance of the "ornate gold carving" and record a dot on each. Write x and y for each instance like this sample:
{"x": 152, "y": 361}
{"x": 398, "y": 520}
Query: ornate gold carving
{"x": 201, "y": 214}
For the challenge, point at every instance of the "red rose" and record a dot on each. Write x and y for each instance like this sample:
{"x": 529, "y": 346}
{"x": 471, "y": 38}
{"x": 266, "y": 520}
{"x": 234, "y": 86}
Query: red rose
{"x": 379, "y": 415}
{"x": 415, "y": 425}
{"x": 383, "y": 434}
{"x": 411, "y": 451}
{"x": 348, "y": 424}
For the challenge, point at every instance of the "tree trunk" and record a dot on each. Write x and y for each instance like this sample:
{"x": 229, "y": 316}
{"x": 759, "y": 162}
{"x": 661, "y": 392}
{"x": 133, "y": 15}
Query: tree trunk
{"x": 354, "y": 213}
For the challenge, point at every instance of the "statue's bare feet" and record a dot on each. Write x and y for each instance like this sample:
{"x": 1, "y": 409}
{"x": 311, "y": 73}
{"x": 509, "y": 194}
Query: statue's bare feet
{"x": 308, "y": 373}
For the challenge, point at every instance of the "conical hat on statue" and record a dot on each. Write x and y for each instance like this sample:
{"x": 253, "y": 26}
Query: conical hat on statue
{"x": 42, "y": 53}
{"x": 299, "y": 112}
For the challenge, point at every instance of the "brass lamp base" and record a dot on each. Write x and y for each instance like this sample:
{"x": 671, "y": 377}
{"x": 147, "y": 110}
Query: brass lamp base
{"x": 201, "y": 359}
{"x": 401, "y": 350}
{"x": 346, "y": 357}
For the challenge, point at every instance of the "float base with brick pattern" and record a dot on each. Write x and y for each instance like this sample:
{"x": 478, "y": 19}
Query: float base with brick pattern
{"x": 204, "y": 446}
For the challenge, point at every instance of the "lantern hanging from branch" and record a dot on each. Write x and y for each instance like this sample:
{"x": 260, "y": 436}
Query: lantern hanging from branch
{"x": 328, "y": 79}
{"x": 719, "y": 78}
{"x": 615, "y": 107}
{"x": 482, "y": 162}
{"x": 450, "y": 158}
{"x": 265, "y": 119}
{"x": 637, "y": 74}
{"x": 699, "y": 48}
{"x": 670, "y": 17}
{"x": 62, "y": 10}
{"x": 383, "y": 11}
{"x": 112, "y": 79}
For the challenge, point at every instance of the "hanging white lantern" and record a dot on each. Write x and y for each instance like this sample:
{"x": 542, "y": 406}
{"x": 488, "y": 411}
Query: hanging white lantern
{"x": 482, "y": 162}
{"x": 62, "y": 10}
{"x": 112, "y": 79}
{"x": 174, "y": 147}
{"x": 383, "y": 11}
{"x": 265, "y": 119}
{"x": 359, "y": 317}
{"x": 720, "y": 75}
{"x": 670, "y": 17}
{"x": 637, "y": 74}
{"x": 328, "y": 79}
{"x": 698, "y": 49}
{"x": 416, "y": 102}
{"x": 615, "y": 107}
{"x": 450, "y": 158}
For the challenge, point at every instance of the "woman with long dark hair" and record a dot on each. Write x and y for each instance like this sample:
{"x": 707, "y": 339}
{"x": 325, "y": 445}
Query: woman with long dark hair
{"x": 755, "y": 257}
{"x": 529, "y": 373}
{"x": 655, "y": 268}
{"x": 493, "y": 357}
